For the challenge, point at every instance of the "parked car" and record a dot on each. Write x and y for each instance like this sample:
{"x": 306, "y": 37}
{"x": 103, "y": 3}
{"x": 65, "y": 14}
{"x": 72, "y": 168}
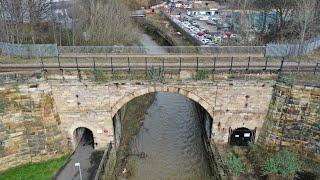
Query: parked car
{"x": 208, "y": 36}
{"x": 205, "y": 41}
{"x": 200, "y": 33}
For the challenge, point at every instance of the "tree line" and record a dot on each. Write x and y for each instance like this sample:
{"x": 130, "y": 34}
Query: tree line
{"x": 80, "y": 22}
{"x": 295, "y": 20}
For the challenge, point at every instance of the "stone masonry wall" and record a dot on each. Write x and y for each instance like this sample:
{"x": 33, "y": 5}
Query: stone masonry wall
{"x": 293, "y": 121}
{"x": 29, "y": 125}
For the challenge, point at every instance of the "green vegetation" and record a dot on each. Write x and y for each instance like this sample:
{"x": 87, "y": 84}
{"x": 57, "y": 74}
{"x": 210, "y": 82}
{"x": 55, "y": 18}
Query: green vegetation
{"x": 35, "y": 171}
{"x": 201, "y": 75}
{"x": 234, "y": 163}
{"x": 283, "y": 163}
{"x": 99, "y": 75}
{"x": 17, "y": 60}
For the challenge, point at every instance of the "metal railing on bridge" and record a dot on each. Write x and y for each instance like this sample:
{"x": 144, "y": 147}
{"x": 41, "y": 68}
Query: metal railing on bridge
{"x": 178, "y": 63}
{"x": 168, "y": 63}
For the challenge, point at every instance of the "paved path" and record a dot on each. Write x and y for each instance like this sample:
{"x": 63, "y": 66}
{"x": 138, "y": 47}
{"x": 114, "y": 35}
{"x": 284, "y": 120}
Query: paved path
{"x": 81, "y": 155}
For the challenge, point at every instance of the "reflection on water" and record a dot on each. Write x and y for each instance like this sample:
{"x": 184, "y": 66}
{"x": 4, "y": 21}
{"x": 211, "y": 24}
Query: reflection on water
{"x": 169, "y": 142}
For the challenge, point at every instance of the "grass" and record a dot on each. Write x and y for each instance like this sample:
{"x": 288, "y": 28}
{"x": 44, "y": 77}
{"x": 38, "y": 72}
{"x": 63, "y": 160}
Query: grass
{"x": 17, "y": 60}
{"x": 35, "y": 171}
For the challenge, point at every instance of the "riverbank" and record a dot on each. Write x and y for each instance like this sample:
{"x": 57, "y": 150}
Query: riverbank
{"x": 131, "y": 121}
{"x": 42, "y": 170}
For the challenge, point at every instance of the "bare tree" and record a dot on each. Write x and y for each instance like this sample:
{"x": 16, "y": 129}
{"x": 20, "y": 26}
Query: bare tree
{"x": 107, "y": 22}
{"x": 14, "y": 11}
{"x": 38, "y": 10}
{"x": 305, "y": 16}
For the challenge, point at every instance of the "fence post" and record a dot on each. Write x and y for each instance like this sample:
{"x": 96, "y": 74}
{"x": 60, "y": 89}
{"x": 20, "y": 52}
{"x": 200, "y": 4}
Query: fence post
{"x": 231, "y": 65}
{"x": 129, "y": 68}
{"x": 94, "y": 63}
{"x": 59, "y": 63}
{"x": 214, "y": 64}
{"x": 248, "y": 66}
{"x": 146, "y": 65}
{"x": 197, "y": 63}
{"x": 111, "y": 64}
{"x": 298, "y": 68}
{"x": 315, "y": 69}
{"x": 266, "y": 64}
{"x": 42, "y": 64}
{"x": 163, "y": 64}
{"x": 281, "y": 66}
{"x": 179, "y": 64}
{"x": 77, "y": 64}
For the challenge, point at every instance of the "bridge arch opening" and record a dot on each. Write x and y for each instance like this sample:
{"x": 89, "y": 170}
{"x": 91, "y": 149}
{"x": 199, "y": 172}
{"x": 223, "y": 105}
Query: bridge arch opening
{"x": 171, "y": 89}
{"x": 241, "y": 136}
{"x": 173, "y": 122}
{"x": 83, "y": 137}
{"x": 204, "y": 109}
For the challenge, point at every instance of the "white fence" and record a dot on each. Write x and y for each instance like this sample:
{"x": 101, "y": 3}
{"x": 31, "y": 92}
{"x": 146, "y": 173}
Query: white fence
{"x": 276, "y": 50}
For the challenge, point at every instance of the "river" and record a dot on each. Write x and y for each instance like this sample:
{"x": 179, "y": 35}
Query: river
{"x": 170, "y": 139}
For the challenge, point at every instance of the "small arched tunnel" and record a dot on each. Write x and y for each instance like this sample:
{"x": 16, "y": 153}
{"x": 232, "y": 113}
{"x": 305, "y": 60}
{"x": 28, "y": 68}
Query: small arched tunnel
{"x": 241, "y": 136}
{"x": 83, "y": 136}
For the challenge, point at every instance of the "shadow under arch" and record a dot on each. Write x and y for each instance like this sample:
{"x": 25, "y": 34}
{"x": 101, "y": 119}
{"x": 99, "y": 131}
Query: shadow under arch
{"x": 171, "y": 89}
{"x": 83, "y": 136}
{"x": 241, "y": 136}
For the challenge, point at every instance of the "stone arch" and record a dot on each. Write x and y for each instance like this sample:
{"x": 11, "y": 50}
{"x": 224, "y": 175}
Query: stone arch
{"x": 77, "y": 125}
{"x": 172, "y": 89}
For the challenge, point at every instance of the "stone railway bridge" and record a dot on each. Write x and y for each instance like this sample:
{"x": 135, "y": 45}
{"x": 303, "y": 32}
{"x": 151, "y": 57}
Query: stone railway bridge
{"x": 230, "y": 104}
{"x": 41, "y": 112}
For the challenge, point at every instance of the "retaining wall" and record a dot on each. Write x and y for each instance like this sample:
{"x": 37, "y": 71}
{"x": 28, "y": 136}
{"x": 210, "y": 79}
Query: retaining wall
{"x": 293, "y": 121}
{"x": 29, "y": 125}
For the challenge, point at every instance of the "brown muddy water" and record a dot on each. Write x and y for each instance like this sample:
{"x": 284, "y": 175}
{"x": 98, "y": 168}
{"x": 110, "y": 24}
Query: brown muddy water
{"x": 169, "y": 144}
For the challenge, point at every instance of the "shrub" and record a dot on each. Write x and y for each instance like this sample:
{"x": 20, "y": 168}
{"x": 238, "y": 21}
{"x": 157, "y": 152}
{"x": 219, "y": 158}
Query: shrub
{"x": 201, "y": 75}
{"x": 284, "y": 163}
{"x": 235, "y": 165}
{"x": 99, "y": 76}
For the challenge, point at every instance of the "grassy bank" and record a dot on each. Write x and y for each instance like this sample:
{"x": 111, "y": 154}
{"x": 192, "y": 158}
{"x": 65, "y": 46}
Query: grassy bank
{"x": 42, "y": 170}
{"x": 131, "y": 121}
{"x": 256, "y": 162}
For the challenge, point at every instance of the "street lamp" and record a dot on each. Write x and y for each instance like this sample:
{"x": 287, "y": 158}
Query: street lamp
{"x": 78, "y": 165}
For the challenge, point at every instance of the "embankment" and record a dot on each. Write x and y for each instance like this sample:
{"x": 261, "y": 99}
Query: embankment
{"x": 131, "y": 115}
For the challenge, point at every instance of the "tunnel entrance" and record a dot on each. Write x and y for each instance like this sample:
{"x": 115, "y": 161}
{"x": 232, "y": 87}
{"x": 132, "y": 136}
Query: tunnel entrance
{"x": 241, "y": 136}
{"x": 83, "y": 137}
